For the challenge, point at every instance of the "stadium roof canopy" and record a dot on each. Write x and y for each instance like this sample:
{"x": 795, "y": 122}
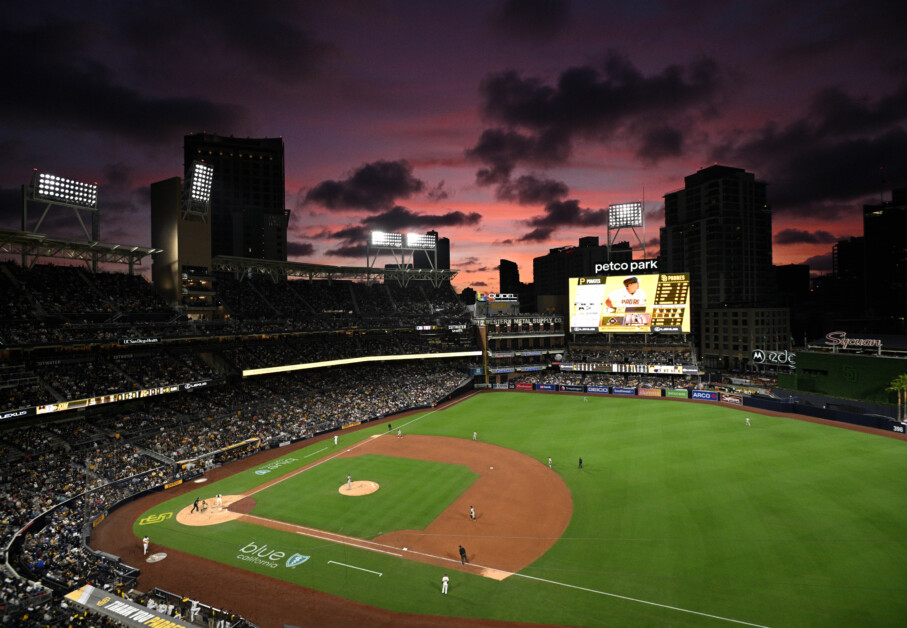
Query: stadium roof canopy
{"x": 277, "y": 269}
{"x": 30, "y": 246}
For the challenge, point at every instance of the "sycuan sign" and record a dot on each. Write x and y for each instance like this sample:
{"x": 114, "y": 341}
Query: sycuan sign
{"x": 840, "y": 339}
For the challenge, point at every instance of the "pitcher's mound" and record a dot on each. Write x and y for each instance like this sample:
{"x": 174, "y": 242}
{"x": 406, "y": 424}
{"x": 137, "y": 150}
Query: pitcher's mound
{"x": 361, "y": 487}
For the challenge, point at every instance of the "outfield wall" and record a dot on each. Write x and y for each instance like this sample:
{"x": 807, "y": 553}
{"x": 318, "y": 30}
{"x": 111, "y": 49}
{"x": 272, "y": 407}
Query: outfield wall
{"x": 845, "y": 375}
{"x": 791, "y": 405}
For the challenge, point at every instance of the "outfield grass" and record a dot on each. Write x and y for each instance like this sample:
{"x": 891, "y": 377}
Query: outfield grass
{"x": 683, "y": 516}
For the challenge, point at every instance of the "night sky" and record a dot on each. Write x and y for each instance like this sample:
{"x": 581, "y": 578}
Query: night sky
{"x": 507, "y": 126}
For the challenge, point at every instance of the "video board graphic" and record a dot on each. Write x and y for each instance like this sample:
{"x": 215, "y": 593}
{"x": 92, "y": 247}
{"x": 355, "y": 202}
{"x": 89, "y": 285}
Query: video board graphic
{"x": 630, "y": 303}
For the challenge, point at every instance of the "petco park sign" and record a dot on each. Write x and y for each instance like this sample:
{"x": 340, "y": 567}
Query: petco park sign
{"x": 638, "y": 265}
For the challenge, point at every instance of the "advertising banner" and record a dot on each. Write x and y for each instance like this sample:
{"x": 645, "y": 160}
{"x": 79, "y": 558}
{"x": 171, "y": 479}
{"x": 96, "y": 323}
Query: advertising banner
{"x": 623, "y": 391}
{"x": 125, "y": 612}
{"x": 570, "y": 388}
{"x": 546, "y": 387}
{"x": 17, "y": 414}
{"x": 649, "y": 392}
{"x": 678, "y": 393}
{"x": 735, "y": 399}
{"x": 704, "y": 395}
{"x": 523, "y": 386}
{"x": 598, "y": 389}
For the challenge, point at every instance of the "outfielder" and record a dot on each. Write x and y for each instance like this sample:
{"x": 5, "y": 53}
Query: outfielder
{"x": 444, "y": 582}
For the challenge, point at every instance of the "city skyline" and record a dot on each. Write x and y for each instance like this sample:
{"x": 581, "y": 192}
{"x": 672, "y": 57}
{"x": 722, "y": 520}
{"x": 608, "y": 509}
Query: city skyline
{"x": 507, "y": 127}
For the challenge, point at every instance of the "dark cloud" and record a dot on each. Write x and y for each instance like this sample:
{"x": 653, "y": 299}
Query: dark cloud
{"x": 799, "y": 236}
{"x": 267, "y": 42}
{"x": 438, "y": 193}
{"x": 478, "y": 284}
{"x": 560, "y": 214}
{"x": 532, "y": 190}
{"x": 373, "y": 187}
{"x": 819, "y": 263}
{"x": 300, "y": 249}
{"x": 538, "y": 124}
{"x": 531, "y": 20}
{"x": 359, "y": 251}
{"x": 400, "y": 218}
{"x": 55, "y": 82}
{"x": 834, "y": 154}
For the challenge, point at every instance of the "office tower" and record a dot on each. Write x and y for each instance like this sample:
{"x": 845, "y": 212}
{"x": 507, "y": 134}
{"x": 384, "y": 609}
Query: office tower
{"x": 248, "y": 214}
{"x": 718, "y": 228}
{"x": 884, "y": 229}
{"x": 508, "y": 277}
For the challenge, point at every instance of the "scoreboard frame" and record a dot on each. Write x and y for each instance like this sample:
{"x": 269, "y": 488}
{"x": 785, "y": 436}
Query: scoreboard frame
{"x": 666, "y": 309}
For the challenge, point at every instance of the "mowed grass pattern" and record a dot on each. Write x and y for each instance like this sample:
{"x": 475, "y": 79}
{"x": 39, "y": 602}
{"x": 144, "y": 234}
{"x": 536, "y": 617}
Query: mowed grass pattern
{"x": 690, "y": 516}
{"x": 413, "y": 493}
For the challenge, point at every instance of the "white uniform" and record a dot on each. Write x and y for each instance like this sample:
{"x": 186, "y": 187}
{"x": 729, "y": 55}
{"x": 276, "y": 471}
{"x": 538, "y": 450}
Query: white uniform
{"x": 145, "y": 542}
{"x": 747, "y": 421}
{"x": 549, "y": 462}
{"x": 475, "y": 436}
{"x": 444, "y": 582}
{"x": 335, "y": 440}
{"x": 220, "y": 499}
{"x": 349, "y": 481}
{"x": 622, "y": 298}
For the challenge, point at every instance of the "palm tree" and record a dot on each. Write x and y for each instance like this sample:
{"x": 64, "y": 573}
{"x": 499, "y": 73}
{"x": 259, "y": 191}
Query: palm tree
{"x": 899, "y": 385}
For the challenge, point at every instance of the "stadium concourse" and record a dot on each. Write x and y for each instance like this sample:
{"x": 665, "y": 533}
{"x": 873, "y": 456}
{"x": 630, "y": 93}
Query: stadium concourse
{"x": 106, "y": 389}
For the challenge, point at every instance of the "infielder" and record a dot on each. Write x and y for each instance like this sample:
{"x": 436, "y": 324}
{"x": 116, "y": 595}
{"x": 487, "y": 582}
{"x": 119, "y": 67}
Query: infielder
{"x": 145, "y": 542}
{"x": 444, "y": 582}
{"x": 472, "y": 513}
{"x": 475, "y": 436}
{"x": 549, "y": 462}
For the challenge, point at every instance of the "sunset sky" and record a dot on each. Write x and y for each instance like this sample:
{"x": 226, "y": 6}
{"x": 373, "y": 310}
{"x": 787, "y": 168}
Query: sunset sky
{"x": 508, "y": 126}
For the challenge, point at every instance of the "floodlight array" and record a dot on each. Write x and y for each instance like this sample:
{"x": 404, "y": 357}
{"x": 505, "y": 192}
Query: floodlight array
{"x": 625, "y": 215}
{"x": 380, "y": 238}
{"x": 67, "y": 190}
{"x": 200, "y": 185}
{"x": 419, "y": 241}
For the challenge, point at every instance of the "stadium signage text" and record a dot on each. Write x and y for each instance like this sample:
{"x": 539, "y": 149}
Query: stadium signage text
{"x": 677, "y": 393}
{"x": 493, "y": 296}
{"x": 139, "y": 341}
{"x": 273, "y": 466}
{"x": 641, "y": 264}
{"x": 14, "y": 414}
{"x": 598, "y": 389}
{"x": 706, "y": 395}
{"x": 761, "y": 356}
{"x": 267, "y": 557}
{"x": 623, "y": 391}
{"x": 839, "y": 338}
{"x": 735, "y": 399}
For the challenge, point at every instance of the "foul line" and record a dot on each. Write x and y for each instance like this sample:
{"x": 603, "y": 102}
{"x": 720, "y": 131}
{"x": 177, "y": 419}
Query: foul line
{"x": 633, "y": 599}
{"x": 354, "y": 567}
{"x": 316, "y": 452}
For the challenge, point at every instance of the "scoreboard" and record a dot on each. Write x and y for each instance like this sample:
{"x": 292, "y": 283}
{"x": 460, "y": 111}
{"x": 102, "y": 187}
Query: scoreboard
{"x": 630, "y": 303}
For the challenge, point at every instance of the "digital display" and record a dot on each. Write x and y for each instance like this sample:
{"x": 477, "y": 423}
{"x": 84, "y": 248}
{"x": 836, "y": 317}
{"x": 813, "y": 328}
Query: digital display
{"x": 630, "y": 303}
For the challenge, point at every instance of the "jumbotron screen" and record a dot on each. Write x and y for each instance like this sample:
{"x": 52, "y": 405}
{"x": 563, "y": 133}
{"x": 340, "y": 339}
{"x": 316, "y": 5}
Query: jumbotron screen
{"x": 630, "y": 304}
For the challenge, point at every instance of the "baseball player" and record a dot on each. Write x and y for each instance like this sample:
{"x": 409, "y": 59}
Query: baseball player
{"x": 631, "y": 295}
{"x": 349, "y": 482}
{"x": 549, "y": 462}
{"x": 399, "y": 433}
{"x": 220, "y": 500}
{"x": 335, "y": 440}
{"x": 444, "y": 582}
{"x": 747, "y": 421}
{"x": 475, "y": 436}
{"x": 472, "y": 513}
{"x": 145, "y": 542}
{"x": 581, "y": 463}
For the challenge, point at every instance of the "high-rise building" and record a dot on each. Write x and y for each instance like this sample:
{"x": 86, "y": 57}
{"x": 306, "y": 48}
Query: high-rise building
{"x": 718, "y": 228}
{"x": 508, "y": 277}
{"x": 884, "y": 226}
{"x": 248, "y": 213}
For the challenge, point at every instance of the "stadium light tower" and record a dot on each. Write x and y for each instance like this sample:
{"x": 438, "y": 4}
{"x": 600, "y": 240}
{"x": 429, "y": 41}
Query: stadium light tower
{"x": 627, "y": 216}
{"x": 402, "y": 247}
{"x": 197, "y": 192}
{"x": 53, "y": 191}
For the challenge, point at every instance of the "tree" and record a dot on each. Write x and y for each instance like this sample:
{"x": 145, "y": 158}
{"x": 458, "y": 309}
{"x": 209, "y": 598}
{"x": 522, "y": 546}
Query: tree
{"x": 899, "y": 385}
